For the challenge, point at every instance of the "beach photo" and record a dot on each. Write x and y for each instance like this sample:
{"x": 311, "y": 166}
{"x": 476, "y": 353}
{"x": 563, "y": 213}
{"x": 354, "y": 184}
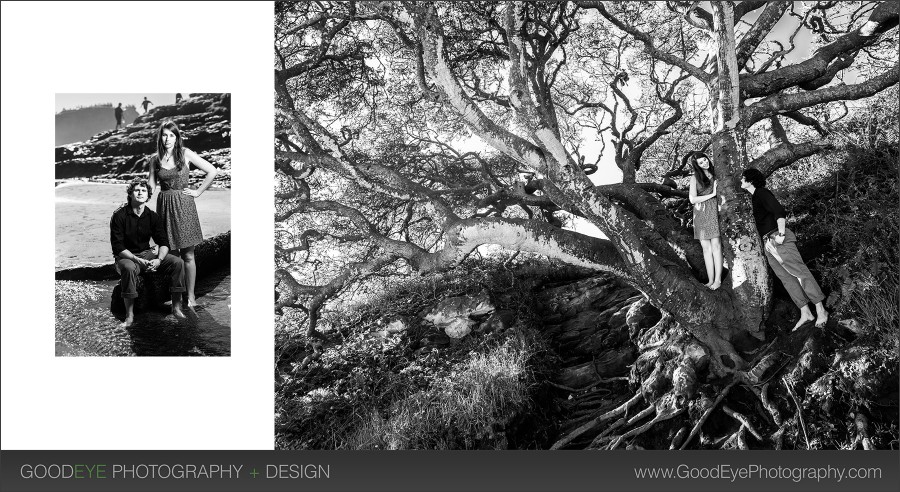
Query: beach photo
{"x": 586, "y": 225}
{"x": 143, "y": 224}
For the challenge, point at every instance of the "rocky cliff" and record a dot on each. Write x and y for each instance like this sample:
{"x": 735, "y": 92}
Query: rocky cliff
{"x": 205, "y": 122}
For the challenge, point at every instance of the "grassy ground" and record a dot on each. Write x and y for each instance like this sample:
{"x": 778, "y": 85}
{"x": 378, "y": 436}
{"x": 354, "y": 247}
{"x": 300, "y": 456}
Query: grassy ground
{"x": 372, "y": 392}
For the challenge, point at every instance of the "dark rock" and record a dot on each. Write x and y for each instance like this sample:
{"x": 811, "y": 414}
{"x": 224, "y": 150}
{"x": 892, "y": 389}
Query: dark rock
{"x": 569, "y": 299}
{"x": 435, "y": 340}
{"x": 617, "y": 320}
{"x": 100, "y": 272}
{"x": 582, "y": 325}
{"x": 213, "y": 253}
{"x": 613, "y": 362}
{"x": 499, "y": 321}
{"x": 601, "y": 340}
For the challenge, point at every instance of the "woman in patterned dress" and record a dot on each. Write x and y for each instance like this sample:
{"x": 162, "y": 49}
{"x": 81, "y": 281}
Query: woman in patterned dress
{"x": 170, "y": 167}
{"x": 706, "y": 216}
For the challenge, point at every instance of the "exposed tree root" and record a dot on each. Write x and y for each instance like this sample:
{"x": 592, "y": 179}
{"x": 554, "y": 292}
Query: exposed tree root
{"x": 593, "y": 423}
{"x": 737, "y": 440}
{"x": 743, "y": 420}
{"x": 674, "y": 377}
{"x": 778, "y": 438}
{"x": 708, "y": 410}
{"x": 679, "y": 437}
{"x": 790, "y": 389}
{"x": 666, "y": 408}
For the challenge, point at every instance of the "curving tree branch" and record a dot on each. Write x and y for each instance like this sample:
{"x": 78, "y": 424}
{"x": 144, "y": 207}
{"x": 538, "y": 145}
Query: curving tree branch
{"x": 787, "y": 103}
{"x": 819, "y": 69}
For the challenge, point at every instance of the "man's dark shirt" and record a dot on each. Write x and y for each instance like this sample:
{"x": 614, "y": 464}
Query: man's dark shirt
{"x": 128, "y": 231}
{"x": 119, "y": 113}
{"x": 766, "y": 211}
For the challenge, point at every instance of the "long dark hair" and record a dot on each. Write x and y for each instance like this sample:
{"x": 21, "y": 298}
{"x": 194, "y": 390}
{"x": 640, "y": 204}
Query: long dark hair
{"x": 177, "y": 151}
{"x": 698, "y": 172}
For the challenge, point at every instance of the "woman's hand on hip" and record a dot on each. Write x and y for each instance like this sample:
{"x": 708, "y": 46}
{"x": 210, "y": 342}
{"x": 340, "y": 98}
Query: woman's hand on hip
{"x": 193, "y": 193}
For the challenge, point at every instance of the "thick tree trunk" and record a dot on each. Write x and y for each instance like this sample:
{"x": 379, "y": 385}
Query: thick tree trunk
{"x": 742, "y": 246}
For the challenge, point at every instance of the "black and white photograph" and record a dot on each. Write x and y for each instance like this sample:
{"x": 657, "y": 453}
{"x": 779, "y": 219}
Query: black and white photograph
{"x": 586, "y": 225}
{"x": 143, "y": 224}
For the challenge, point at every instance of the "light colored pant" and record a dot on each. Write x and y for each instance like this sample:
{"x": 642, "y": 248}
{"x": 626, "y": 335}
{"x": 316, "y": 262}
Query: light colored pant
{"x": 789, "y": 267}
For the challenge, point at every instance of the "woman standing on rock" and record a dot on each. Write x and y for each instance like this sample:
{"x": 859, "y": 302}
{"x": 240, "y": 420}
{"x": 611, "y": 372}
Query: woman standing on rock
{"x": 706, "y": 216}
{"x": 170, "y": 167}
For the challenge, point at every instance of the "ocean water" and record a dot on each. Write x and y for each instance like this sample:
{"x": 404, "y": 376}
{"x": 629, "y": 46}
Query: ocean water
{"x": 83, "y": 211}
{"x": 85, "y": 326}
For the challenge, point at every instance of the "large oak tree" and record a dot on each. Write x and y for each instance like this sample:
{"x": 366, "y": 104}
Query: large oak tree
{"x": 409, "y": 134}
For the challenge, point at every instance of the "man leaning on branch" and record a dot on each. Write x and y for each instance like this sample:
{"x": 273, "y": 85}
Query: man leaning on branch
{"x": 781, "y": 249}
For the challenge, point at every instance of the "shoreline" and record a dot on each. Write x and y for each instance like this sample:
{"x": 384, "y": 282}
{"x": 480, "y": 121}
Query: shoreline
{"x": 67, "y": 182}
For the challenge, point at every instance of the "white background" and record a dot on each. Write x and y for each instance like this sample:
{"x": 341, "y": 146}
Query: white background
{"x": 53, "y": 402}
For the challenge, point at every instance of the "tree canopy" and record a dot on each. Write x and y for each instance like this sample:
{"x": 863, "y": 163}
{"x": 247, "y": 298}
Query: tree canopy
{"x": 409, "y": 134}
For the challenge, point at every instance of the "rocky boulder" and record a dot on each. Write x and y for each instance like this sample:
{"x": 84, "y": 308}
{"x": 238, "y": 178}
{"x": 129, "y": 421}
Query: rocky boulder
{"x": 458, "y": 316}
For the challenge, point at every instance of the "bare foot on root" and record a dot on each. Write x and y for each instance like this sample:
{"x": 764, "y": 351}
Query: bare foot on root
{"x": 802, "y": 321}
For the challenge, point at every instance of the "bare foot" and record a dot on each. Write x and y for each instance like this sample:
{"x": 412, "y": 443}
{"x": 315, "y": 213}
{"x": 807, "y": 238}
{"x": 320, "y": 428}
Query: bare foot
{"x": 192, "y": 303}
{"x": 821, "y": 318}
{"x": 804, "y": 318}
{"x": 715, "y": 285}
{"x": 129, "y": 322}
{"x": 178, "y": 314}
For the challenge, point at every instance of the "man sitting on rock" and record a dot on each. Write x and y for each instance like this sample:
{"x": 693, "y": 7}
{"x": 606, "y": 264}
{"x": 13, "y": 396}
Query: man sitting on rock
{"x": 130, "y": 230}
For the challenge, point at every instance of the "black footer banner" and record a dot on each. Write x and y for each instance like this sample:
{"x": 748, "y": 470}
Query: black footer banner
{"x": 469, "y": 471}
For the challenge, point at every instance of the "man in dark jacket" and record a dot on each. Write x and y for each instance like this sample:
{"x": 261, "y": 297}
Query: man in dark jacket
{"x": 781, "y": 249}
{"x": 130, "y": 229}
{"x": 120, "y": 116}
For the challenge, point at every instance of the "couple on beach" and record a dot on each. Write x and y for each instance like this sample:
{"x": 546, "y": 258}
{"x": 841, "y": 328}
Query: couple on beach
{"x": 770, "y": 217}
{"x": 174, "y": 226}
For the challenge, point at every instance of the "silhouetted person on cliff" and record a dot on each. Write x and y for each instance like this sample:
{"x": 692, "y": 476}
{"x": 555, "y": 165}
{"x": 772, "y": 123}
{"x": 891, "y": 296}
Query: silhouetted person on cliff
{"x": 178, "y": 98}
{"x": 130, "y": 229}
{"x": 120, "y": 116}
{"x": 146, "y": 103}
{"x": 781, "y": 249}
